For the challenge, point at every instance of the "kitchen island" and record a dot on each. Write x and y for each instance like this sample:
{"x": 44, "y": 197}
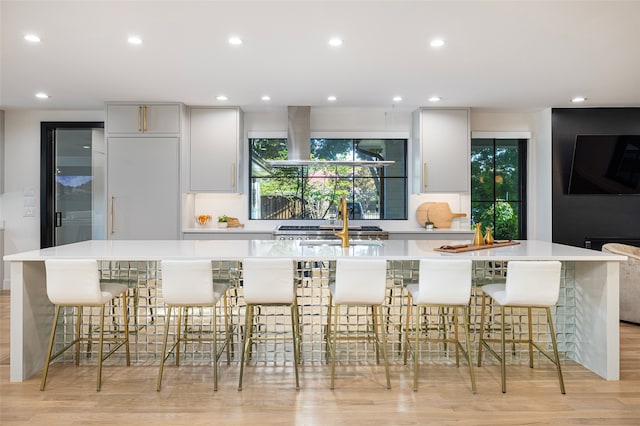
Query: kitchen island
{"x": 592, "y": 277}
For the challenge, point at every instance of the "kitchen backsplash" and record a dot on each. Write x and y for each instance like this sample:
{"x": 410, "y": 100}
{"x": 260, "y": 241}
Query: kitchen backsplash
{"x": 237, "y": 205}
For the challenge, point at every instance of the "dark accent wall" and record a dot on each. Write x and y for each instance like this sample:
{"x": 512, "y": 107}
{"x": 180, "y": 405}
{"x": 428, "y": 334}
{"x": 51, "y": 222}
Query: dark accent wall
{"x": 577, "y": 218}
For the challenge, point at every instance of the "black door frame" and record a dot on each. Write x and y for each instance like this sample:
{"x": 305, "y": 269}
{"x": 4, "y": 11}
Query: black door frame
{"x": 47, "y": 173}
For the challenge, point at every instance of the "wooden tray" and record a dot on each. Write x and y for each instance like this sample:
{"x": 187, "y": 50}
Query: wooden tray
{"x": 470, "y": 247}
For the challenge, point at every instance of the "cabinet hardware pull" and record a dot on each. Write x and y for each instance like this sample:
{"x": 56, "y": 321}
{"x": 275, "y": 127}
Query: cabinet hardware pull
{"x": 144, "y": 121}
{"x": 58, "y": 219}
{"x": 139, "y": 118}
{"x": 233, "y": 174}
{"x": 111, "y": 213}
{"x": 425, "y": 177}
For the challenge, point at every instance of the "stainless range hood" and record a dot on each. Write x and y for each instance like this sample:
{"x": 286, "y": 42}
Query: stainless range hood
{"x": 299, "y": 144}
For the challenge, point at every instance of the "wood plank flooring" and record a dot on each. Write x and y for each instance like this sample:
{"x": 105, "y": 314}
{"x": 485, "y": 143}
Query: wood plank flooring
{"x": 269, "y": 397}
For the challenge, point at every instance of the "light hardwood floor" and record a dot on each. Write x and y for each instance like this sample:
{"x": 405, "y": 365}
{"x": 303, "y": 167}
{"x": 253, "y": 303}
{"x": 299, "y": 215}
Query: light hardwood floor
{"x": 128, "y": 395}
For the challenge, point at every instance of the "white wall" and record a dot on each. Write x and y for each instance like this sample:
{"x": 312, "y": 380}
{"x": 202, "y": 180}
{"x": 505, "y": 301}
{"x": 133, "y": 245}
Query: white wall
{"x": 22, "y": 173}
{"x": 2, "y": 170}
{"x": 538, "y": 123}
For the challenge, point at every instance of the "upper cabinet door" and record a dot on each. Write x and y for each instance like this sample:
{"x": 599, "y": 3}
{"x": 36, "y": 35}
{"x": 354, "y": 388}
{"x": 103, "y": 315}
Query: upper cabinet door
{"x": 150, "y": 119}
{"x": 214, "y": 145}
{"x": 444, "y": 138}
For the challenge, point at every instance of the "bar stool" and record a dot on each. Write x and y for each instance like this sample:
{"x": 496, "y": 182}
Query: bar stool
{"x": 76, "y": 283}
{"x": 189, "y": 284}
{"x": 268, "y": 282}
{"x": 442, "y": 284}
{"x": 359, "y": 282}
{"x": 530, "y": 284}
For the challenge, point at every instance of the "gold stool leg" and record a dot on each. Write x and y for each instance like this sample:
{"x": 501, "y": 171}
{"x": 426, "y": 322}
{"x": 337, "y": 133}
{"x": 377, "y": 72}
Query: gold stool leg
{"x": 327, "y": 335}
{"x": 384, "y": 346}
{"x": 481, "y": 339}
{"x": 555, "y": 350}
{"x": 455, "y": 335}
{"x": 374, "y": 316}
{"x": 125, "y": 318}
{"x": 215, "y": 349}
{"x": 246, "y": 342}
{"x": 333, "y": 346}
{"x": 78, "y": 333}
{"x": 101, "y": 348}
{"x": 164, "y": 346}
{"x": 178, "y": 331}
{"x": 502, "y": 348}
{"x": 530, "y": 342}
{"x": 406, "y": 328}
{"x": 296, "y": 339}
{"x": 416, "y": 348}
{"x": 226, "y": 327}
{"x": 469, "y": 357}
{"x": 50, "y": 349}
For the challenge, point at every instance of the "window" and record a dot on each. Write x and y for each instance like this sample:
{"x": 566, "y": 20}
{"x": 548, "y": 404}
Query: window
{"x": 313, "y": 192}
{"x": 498, "y": 186}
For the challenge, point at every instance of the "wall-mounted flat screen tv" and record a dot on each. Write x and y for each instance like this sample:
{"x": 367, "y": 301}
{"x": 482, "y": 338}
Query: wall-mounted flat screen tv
{"x": 605, "y": 164}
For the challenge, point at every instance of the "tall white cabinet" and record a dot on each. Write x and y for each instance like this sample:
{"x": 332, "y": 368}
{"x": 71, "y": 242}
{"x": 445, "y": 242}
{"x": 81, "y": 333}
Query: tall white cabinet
{"x": 441, "y": 150}
{"x": 214, "y": 149}
{"x": 143, "y": 174}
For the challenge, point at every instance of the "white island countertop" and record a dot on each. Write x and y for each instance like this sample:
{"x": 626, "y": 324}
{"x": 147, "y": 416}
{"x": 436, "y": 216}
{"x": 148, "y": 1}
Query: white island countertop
{"x": 239, "y": 249}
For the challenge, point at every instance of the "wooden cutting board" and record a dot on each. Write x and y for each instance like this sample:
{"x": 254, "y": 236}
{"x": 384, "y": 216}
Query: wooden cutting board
{"x": 438, "y": 213}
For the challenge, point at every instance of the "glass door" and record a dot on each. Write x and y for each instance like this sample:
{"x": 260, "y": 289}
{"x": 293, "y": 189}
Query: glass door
{"x": 74, "y": 191}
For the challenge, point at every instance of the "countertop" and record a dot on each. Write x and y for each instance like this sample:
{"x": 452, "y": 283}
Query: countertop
{"x": 216, "y": 230}
{"x": 239, "y": 249}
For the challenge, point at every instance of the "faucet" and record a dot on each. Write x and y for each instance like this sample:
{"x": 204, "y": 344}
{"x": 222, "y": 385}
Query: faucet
{"x": 343, "y": 214}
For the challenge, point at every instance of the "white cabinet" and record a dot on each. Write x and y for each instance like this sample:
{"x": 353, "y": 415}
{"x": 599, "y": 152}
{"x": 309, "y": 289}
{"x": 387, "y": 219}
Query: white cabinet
{"x": 215, "y": 135}
{"x": 441, "y": 145}
{"x": 147, "y": 118}
{"x": 143, "y": 188}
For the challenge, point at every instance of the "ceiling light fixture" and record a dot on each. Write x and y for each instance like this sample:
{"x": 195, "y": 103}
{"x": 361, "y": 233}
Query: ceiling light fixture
{"x": 579, "y": 99}
{"x": 437, "y": 42}
{"x": 335, "y": 42}
{"x": 222, "y": 98}
{"x": 32, "y": 38}
{"x": 266, "y": 98}
{"x": 42, "y": 95}
{"x": 235, "y": 41}
{"x": 331, "y": 98}
{"x": 134, "y": 40}
{"x": 397, "y": 98}
{"x": 435, "y": 99}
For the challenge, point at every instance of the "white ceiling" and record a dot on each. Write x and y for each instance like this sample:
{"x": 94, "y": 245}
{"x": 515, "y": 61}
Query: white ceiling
{"x": 498, "y": 55}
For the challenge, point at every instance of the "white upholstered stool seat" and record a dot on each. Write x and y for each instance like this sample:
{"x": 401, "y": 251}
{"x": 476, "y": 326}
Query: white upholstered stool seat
{"x": 445, "y": 284}
{"x": 76, "y": 283}
{"x": 358, "y": 281}
{"x": 268, "y": 282}
{"x": 189, "y": 284}
{"x": 530, "y": 284}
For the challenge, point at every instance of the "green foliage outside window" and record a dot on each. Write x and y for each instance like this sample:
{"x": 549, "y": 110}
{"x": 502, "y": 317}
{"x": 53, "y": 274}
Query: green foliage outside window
{"x": 496, "y": 186}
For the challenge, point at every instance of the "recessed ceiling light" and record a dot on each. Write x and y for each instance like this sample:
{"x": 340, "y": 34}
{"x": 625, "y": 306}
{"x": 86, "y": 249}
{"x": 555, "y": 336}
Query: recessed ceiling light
{"x": 435, "y": 99}
{"x": 221, "y": 98}
{"x": 86, "y": 147}
{"x": 335, "y": 42}
{"x": 397, "y": 98}
{"x": 235, "y": 40}
{"x": 32, "y": 38}
{"x": 331, "y": 98}
{"x": 134, "y": 40}
{"x": 266, "y": 98}
{"x": 578, "y": 99}
{"x": 42, "y": 95}
{"x": 437, "y": 42}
